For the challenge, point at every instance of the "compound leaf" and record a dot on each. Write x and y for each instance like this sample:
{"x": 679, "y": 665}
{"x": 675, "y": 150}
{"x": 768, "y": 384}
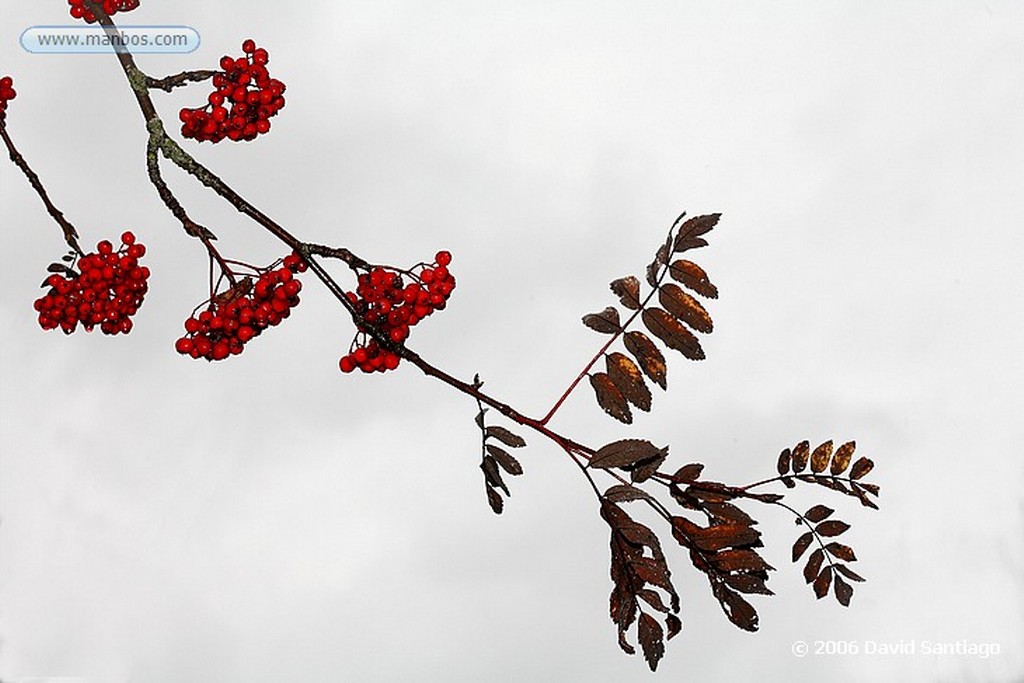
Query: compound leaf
{"x": 802, "y": 544}
{"x": 821, "y": 457}
{"x": 623, "y": 453}
{"x": 785, "y": 457}
{"x": 669, "y": 330}
{"x": 651, "y": 640}
{"x": 628, "y": 291}
{"x": 628, "y": 380}
{"x": 623, "y": 493}
{"x": 651, "y": 360}
{"x": 818, "y": 513}
{"x": 861, "y": 468}
{"x": 505, "y": 436}
{"x": 843, "y": 552}
{"x": 800, "y": 455}
{"x": 610, "y": 398}
{"x": 689, "y": 232}
{"x": 505, "y": 459}
{"x": 823, "y": 582}
{"x": 843, "y": 590}
{"x": 693, "y": 277}
{"x": 685, "y": 307}
{"x": 841, "y": 458}
{"x": 832, "y": 527}
{"x": 605, "y": 322}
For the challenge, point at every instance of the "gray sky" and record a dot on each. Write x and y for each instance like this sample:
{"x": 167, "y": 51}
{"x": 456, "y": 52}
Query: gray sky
{"x": 268, "y": 519}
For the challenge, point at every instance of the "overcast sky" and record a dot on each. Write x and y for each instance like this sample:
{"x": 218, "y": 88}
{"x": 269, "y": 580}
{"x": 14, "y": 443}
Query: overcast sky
{"x": 267, "y": 518}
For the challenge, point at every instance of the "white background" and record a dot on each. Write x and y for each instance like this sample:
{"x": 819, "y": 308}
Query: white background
{"x": 268, "y": 519}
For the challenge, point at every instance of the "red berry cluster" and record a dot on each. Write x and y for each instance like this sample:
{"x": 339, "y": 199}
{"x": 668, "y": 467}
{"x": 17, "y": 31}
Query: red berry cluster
{"x": 390, "y": 305}
{"x": 107, "y": 291}
{"x": 79, "y": 10}
{"x": 6, "y": 94}
{"x": 230, "y": 321}
{"x": 241, "y": 105}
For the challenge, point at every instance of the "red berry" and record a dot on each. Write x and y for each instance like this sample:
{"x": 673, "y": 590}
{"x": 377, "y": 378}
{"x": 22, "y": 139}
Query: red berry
{"x": 106, "y": 291}
{"x": 220, "y": 351}
{"x": 442, "y": 258}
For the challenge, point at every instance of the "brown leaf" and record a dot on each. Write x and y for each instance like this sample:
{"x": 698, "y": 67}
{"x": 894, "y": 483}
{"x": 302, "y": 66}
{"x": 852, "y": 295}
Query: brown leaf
{"x": 628, "y": 291}
{"x": 623, "y": 493}
{"x": 728, "y": 512}
{"x": 647, "y": 354}
{"x": 693, "y": 277}
{"x": 843, "y": 552}
{"x": 494, "y": 499}
{"x": 688, "y": 473}
{"x": 800, "y": 454}
{"x": 748, "y": 583}
{"x": 640, "y": 535}
{"x": 689, "y": 232}
{"x": 505, "y": 436}
{"x": 505, "y": 459}
{"x": 821, "y": 456}
{"x": 664, "y": 251}
{"x": 674, "y": 625}
{"x": 802, "y": 544}
{"x": 719, "y": 536}
{"x": 652, "y": 571}
{"x": 832, "y": 527}
{"x": 645, "y": 469}
{"x": 686, "y": 245}
{"x": 739, "y": 611}
{"x": 652, "y": 598}
{"x": 861, "y": 494}
{"x": 870, "y": 488}
{"x": 843, "y": 590}
{"x": 606, "y": 322}
{"x": 739, "y": 560}
{"x": 624, "y": 644}
{"x": 861, "y": 467}
{"x": 622, "y": 453}
{"x": 672, "y": 333}
{"x": 492, "y": 475}
{"x": 785, "y": 457}
{"x": 610, "y": 398}
{"x": 833, "y": 483}
{"x": 823, "y": 582}
{"x": 848, "y": 573}
{"x": 628, "y": 380}
{"x": 829, "y": 483}
{"x": 651, "y": 640}
{"x": 660, "y": 260}
{"x": 685, "y": 307}
{"x": 818, "y": 513}
{"x": 652, "y": 274}
{"x": 813, "y": 564}
{"x": 841, "y": 458}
